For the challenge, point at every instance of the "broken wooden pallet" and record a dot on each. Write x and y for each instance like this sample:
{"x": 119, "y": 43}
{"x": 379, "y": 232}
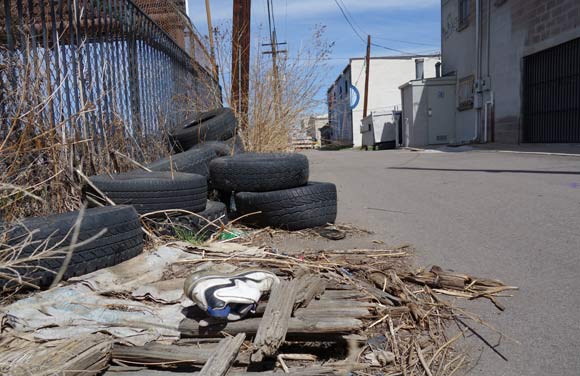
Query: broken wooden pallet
{"x": 223, "y": 357}
{"x": 302, "y": 371}
{"x": 86, "y": 355}
{"x": 336, "y": 313}
{"x": 274, "y": 325}
{"x": 160, "y": 353}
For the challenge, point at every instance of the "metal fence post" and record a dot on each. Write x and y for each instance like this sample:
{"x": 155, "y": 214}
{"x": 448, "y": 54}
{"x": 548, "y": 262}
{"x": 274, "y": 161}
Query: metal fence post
{"x": 134, "y": 74}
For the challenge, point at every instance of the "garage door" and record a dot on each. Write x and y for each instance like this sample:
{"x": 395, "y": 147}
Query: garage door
{"x": 552, "y": 94}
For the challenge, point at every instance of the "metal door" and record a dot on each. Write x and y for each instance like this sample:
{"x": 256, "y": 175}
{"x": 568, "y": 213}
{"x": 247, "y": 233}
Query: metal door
{"x": 551, "y": 108}
{"x": 441, "y": 114}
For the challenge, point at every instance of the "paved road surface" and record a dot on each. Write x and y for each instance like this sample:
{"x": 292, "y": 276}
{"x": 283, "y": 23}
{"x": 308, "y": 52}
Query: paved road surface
{"x": 509, "y": 216}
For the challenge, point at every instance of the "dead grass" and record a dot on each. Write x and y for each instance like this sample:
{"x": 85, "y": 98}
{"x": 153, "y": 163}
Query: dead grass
{"x": 279, "y": 97}
{"x": 43, "y": 144}
{"x": 412, "y": 329}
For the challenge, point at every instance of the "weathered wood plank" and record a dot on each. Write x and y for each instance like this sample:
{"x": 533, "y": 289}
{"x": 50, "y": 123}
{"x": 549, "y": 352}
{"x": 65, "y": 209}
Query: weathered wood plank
{"x": 344, "y": 294}
{"x": 223, "y": 357}
{"x": 312, "y": 287}
{"x": 310, "y": 371}
{"x": 325, "y": 302}
{"x": 87, "y": 355}
{"x": 354, "y": 312}
{"x": 297, "y": 327}
{"x": 272, "y": 330}
{"x": 163, "y": 353}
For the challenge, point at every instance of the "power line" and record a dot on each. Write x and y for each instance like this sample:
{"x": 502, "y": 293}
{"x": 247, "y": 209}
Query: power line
{"x": 350, "y": 23}
{"x": 344, "y": 14}
{"x": 391, "y": 49}
{"x": 360, "y": 73}
{"x": 352, "y": 18}
{"x": 406, "y": 41}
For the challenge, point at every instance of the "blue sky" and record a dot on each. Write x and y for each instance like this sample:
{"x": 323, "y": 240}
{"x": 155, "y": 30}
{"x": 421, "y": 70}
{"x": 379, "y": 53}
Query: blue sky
{"x": 408, "y": 25}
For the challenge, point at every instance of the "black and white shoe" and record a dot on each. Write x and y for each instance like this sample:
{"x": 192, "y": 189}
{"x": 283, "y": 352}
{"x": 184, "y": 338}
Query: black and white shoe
{"x": 230, "y": 296}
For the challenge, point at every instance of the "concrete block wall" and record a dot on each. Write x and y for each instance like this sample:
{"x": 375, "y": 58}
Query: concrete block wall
{"x": 543, "y": 19}
{"x": 518, "y": 28}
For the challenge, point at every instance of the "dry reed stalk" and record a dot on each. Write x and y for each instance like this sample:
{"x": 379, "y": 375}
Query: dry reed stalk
{"x": 42, "y": 142}
{"x": 276, "y": 101}
{"x": 416, "y": 329}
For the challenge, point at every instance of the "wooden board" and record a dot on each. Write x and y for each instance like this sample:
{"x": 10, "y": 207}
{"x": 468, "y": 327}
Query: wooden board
{"x": 272, "y": 330}
{"x": 223, "y": 357}
{"x": 155, "y": 353}
{"x": 132, "y": 371}
{"x": 297, "y": 327}
{"x": 312, "y": 287}
{"x": 87, "y": 355}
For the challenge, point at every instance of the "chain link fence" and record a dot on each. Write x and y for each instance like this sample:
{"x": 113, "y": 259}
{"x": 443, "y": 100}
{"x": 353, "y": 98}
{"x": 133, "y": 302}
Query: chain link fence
{"x": 97, "y": 63}
{"x": 91, "y": 86}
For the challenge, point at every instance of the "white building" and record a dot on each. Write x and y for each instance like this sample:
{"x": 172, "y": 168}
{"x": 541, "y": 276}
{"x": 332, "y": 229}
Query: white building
{"x": 345, "y": 97}
{"x": 309, "y": 127}
{"x": 312, "y": 125}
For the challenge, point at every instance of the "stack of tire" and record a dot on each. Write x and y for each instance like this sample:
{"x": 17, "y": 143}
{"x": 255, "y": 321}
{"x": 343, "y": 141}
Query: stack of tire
{"x": 202, "y": 138}
{"x": 161, "y": 195}
{"x": 178, "y": 184}
{"x": 175, "y": 183}
{"x": 272, "y": 190}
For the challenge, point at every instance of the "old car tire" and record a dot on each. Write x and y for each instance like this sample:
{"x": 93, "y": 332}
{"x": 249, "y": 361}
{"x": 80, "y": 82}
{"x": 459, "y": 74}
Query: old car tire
{"x": 225, "y": 148}
{"x": 192, "y": 223}
{"x": 290, "y": 209}
{"x": 250, "y": 172}
{"x": 215, "y": 125}
{"x": 194, "y": 161}
{"x": 213, "y": 211}
{"x": 122, "y": 241}
{"x": 154, "y": 191}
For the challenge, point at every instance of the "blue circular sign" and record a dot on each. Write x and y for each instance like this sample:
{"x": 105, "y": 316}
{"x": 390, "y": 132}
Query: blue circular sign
{"x": 354, "y": 96}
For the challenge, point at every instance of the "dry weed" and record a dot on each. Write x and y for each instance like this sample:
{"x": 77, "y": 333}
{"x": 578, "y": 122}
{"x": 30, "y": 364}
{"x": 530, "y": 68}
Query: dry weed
{"x": 44, "y": 138}
{"x": 279, "y": 97}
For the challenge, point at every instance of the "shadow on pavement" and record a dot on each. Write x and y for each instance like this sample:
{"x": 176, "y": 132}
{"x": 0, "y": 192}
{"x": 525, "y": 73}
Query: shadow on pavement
{"x": 487, "y": 170}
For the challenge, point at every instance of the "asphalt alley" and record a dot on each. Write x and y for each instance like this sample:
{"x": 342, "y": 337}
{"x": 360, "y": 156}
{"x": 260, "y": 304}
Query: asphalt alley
{"x": 515, "y": 217}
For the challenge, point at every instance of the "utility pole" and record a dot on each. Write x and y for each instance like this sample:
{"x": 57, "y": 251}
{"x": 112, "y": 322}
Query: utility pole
{"x": 368, "y": 65}
{"x": 274, "y": 52}
{"x": 241, "y": 58}
{"x": 210, "y": 34}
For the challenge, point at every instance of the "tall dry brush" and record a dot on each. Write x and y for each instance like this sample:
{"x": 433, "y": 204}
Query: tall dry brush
{"x": 43, "y": 143}
{"x": 276, "y": 101}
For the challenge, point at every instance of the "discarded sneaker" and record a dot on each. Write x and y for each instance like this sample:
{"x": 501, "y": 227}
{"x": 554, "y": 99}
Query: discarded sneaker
{"x": 231, "y": 296}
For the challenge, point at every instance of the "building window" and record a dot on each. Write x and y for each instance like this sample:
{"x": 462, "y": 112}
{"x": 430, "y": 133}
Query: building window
{"x": 464, "y": 13}
{"x": 419, "y": 69}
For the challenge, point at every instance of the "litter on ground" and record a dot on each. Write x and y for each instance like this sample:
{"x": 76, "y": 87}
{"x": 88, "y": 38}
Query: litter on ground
{"x": 356, "y": 312}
